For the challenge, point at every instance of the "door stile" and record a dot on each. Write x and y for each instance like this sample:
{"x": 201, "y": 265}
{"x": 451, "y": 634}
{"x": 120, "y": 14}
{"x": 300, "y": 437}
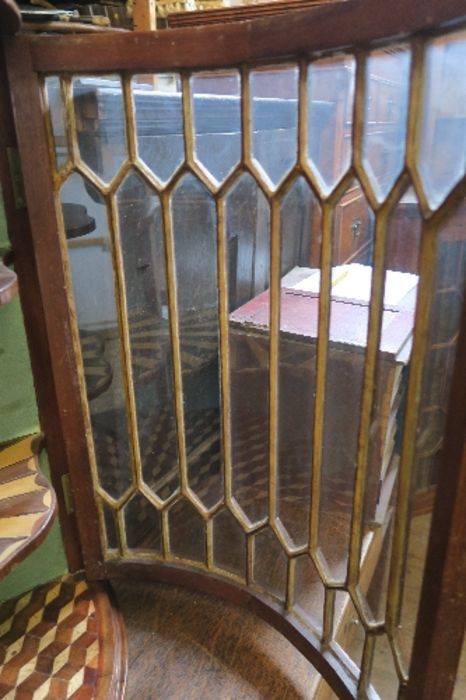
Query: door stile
{"x": 69, "y": 437}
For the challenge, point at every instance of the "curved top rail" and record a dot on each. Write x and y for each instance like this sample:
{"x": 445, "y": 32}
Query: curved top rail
{"x": 330, "y": 27}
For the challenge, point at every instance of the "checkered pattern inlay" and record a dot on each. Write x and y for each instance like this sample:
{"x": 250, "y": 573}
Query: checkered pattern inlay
{"x": 49, "y": 643}
{"x": 27, "y": 502}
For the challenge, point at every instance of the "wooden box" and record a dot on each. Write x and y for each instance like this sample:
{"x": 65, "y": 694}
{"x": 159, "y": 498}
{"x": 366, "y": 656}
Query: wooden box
{"x": 297, "y": 374}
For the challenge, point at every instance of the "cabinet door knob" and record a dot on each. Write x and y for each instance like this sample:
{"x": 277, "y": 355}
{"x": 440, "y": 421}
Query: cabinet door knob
{"x": 356, "y": 227}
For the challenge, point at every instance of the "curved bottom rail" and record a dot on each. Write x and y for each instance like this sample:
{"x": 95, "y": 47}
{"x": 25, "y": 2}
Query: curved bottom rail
{"x": 324, "y": 658}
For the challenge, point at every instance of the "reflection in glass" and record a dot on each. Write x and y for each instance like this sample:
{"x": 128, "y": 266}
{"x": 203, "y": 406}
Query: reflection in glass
{"x": 270, "y": 563}
{"x": 229, "y": 544}
{"x": 194, "y": 233}
{"x": 142, "y": 524}
{"x": 57, "y": 119}
{"x": 348, "y": 632}
{"x": 143, "y": 250}
{"x": 330, "y": 117}
{"x": 159, "y": 122}
{"x": 217, "y": 121}
{"x": 274, "y": 121}
{"x": 187, "y": 532}
{"x": 309, "y": 592}
{"x": 89, "y": 248}
{"x": 401, "y": 285}
{"x": 386, "y": 114}
{"x": 384, "y": 676}
{"x": 448, "y": 296}
{"x": 248, "y": 233}
{"x": 101, "y": 132}
{"x": 348, "y": 326}
{"x": 299, "y": 226}
{"x": 442, "y": 155}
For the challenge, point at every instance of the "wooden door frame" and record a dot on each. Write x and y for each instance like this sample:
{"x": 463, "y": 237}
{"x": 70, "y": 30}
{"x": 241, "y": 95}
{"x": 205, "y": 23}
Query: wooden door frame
{"x": 357, "y": 23}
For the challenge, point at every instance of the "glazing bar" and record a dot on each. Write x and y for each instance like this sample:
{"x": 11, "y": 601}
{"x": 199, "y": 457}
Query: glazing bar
{"x": 122, "y": 312}
{"x": 130, "y": 120}
{"x": 369, "y": 389}
{"x": 329, "y": 615}
{"x": 321, "y": 371}
{"x": 175, "y": 337}
{"x": 224, "y": 341}
{"x": 274, "y": 340}
{"x": 366, "y": 665}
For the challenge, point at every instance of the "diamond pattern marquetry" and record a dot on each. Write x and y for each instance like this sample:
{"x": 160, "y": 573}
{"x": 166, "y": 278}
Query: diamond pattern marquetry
{"x": 27, "y": 503}
{"x": 59, "y": 641}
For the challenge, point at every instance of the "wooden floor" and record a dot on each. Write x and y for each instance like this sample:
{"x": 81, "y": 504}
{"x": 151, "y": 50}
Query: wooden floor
{"x": 188, "y": 646}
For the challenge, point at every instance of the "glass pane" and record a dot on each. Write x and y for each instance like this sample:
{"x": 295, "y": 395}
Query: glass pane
{"x": 229, "y": 544}
{"x": 401, "y": 286}
{"x": 448, "y": 296}
{"x": 89, "y": 248}
{"x": 142, "y": 524}
{"x": 330, "y": 117}
{"x": 442, "y": 155}
{"x": 143, "y": 250}
{"x": 347, "y": 628}
{"x": 194, "y": 232}
{"x": 309, "y": 595}
{"x": 217, "y": 121}
{"x": 270, "y": 563}
{"x": 110, "y": 527}
{"x": 403, "y": 231}
{"x": 386, "y": 113}
{"x": 159, "y": 122}
{"x": 300, "y": 232}
{"x": 187, "y": 532}
{"x": 248, "y": 234}
{"x": 384, "y": 677}
{"x": 274, "y": 121}
{"x": 57, "y": 119}
{"x": 101, "y": 132}
{"x": 349, "y": 315}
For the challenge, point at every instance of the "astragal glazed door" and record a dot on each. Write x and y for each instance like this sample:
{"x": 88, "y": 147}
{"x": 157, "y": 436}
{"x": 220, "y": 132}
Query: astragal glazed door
{"x": 251, "y": 251}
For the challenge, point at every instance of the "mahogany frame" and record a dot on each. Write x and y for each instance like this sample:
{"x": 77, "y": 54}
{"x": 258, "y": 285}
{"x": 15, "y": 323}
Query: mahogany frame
{"x": 359, "y": 23}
